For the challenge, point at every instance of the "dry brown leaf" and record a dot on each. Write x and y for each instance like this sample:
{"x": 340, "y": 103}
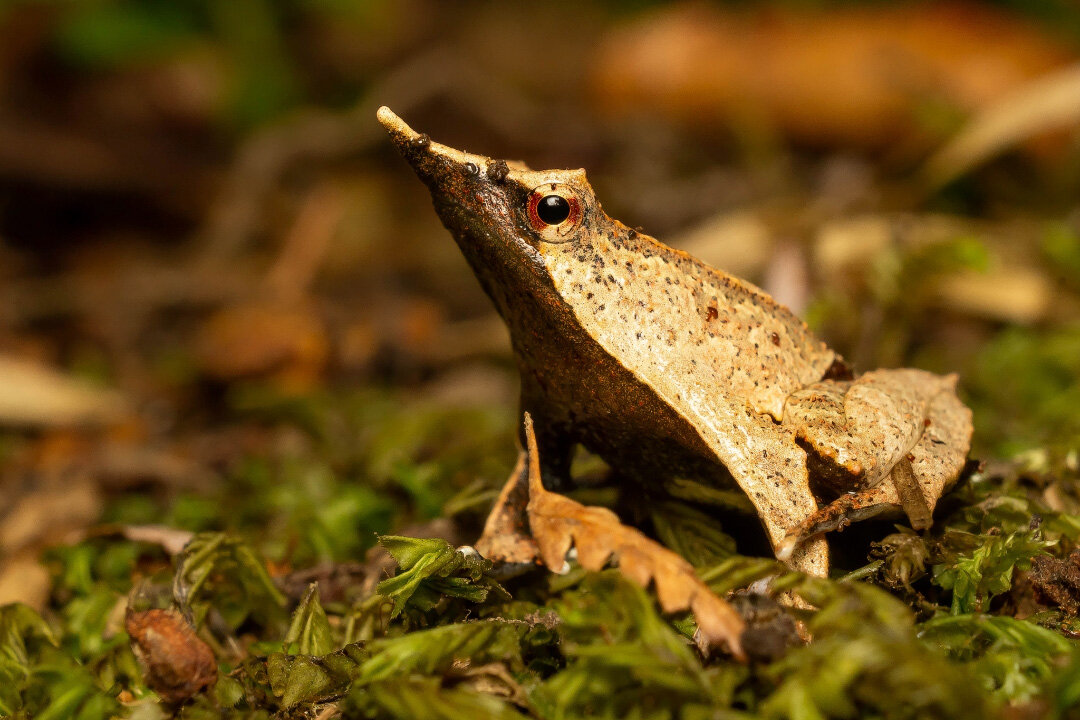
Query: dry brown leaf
{"x": 285, "y": 340}
{"x": 858, "y": 74}
{"x": 49, "y": 514}
{"x": 559, "y": 523}
{"x": 25, "y": 580}
{"x": 178, "y": 663}
{"x": 36, "y": 395}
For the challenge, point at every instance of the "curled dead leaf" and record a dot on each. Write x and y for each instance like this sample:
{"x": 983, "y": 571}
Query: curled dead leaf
{"x": 559, "y": 523}
{"x": 177, "y": 662}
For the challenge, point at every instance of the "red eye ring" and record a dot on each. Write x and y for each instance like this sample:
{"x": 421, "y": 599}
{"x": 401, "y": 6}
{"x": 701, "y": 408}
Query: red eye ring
{"x": 534, "y": 211}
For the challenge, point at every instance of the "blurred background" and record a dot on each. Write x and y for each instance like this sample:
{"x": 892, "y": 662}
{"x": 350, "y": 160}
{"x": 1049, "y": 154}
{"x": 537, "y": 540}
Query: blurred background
{"x": 225, "y": 303}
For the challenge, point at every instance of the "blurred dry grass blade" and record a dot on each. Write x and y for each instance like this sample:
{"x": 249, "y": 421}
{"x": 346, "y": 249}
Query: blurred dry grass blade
{"x": 31, "y": 394}
{"x": 1016, "y": 294}
{"x": 1049, "y": 103}
{"x": 304, "y": 248}
{"x": 171, "y": 540}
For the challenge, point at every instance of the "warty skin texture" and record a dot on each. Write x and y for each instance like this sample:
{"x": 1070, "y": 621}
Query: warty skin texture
{"x": 648, "y": 357}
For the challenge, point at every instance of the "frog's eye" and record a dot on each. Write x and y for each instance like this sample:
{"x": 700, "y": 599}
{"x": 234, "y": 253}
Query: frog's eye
{"x": 554, "y": 211}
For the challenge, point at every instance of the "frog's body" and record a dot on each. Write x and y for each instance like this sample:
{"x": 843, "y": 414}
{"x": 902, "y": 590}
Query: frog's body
{"x": 658, "y": 363}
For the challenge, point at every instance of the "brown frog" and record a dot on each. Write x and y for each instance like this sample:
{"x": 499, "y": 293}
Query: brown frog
{"x": 666, "y": 367}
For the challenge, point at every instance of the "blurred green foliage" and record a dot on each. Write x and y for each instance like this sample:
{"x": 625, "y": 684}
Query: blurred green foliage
{"x": 1023, "y": 387}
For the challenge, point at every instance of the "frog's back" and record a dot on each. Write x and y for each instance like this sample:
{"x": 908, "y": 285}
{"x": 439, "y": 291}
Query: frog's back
{"x": 695, "y": 334}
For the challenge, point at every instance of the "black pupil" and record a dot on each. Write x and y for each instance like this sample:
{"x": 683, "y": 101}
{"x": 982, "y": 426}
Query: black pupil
{"x": 553, "y": 209}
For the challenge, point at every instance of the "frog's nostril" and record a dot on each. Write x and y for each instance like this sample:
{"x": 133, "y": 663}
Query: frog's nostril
{"x": 421, "y": 141}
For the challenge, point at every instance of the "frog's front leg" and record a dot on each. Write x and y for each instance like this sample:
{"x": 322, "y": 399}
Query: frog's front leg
{"x": 838, "y": 514}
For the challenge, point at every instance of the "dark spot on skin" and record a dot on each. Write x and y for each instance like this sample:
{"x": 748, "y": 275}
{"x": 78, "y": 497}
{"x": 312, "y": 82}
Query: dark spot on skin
{"x": 632, "y": 234}
{"x": 497, "y": 171}
{"x": 712, "y": 313}
{"x": 775, "y": 339}
{"x": 471, "y": 170}
{"x": 589, "y": 296}
{"x": 421, "y": 142}
{"x": 554, "y": 185}
{"x": 926, "y": 423}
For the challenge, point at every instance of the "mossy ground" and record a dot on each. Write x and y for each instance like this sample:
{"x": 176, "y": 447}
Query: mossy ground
{"x": 948, "y": 623}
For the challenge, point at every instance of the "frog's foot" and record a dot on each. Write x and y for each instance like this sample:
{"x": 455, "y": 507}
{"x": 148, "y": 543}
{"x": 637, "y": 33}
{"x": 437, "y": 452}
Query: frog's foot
{"x": 837, "y": 515}
{"x": 506, "y": 539}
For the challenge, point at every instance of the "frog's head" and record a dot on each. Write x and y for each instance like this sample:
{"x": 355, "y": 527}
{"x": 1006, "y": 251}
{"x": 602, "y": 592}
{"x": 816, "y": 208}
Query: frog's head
{"x": 502, "y": 216}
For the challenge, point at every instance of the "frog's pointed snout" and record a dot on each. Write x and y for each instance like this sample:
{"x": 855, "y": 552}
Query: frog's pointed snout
{"x": 440, "y": 167}
{"x": 416, "y": 148}
{"x": 400, "y": 132}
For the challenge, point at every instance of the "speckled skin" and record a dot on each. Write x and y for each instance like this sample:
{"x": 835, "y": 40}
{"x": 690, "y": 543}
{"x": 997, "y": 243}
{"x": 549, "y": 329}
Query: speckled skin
{"x": 648, "y": 357}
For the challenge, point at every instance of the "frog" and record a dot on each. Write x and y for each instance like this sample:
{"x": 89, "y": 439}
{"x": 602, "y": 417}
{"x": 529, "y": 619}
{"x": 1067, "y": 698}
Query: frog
{"x": 668, "y": 368}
